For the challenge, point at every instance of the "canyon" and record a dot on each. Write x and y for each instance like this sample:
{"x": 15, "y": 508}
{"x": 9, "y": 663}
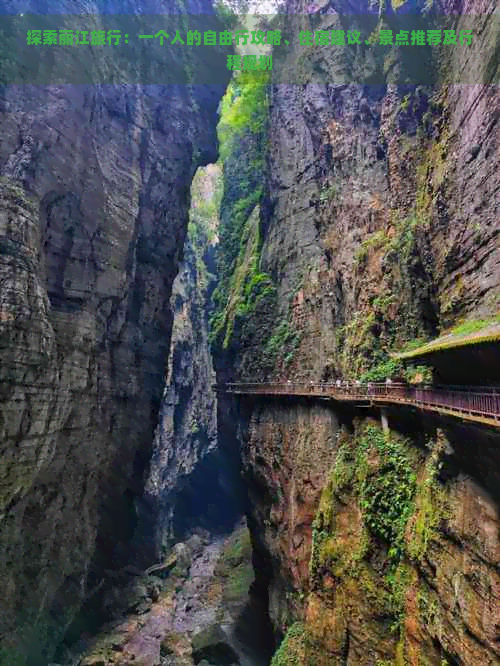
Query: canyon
{"x": 157, "y": 242}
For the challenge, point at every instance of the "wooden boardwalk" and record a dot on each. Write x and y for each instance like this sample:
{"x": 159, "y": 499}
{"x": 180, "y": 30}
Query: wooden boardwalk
{"x": 478, "y": 404}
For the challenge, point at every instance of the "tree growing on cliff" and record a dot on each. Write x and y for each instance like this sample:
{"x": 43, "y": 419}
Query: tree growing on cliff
{"x": 244, "y": 110}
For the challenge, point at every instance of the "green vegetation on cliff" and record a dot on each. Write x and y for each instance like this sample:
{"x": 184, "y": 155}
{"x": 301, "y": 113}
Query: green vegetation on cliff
{"x": 241, "y": 134}
{"x": 206, "y": 193}
{"x": 382, "y": 497}
{"x": 244, "y": 109}
{"x": 234, "y": 568}
{"x": 394, "y": 263}
{"x": 298, "y": 648}
{"x": 245, "y": 300}
{"x": 386, "y": 497}
{"x": 395, "y": 312}
{"x": 378, "y": 471}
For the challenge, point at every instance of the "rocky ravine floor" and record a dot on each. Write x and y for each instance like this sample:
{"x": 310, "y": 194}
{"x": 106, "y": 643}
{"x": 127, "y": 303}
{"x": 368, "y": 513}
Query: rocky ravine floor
{"x": 187, "y": 617}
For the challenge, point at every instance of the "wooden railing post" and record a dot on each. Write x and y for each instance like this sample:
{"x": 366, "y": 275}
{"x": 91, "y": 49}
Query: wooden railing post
{"x": 385, "y": 422}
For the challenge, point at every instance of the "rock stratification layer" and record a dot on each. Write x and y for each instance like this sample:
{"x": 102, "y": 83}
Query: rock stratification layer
{"x": 187, "y": 429}
{"x": 94, "y": 200}
{"x": 377, "y": 229}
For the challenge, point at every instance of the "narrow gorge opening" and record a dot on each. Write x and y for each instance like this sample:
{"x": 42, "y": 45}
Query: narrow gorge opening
{"x": 192, "y": 513}
{"x": 196, "y": 479}
{"x": 249, "y": 337}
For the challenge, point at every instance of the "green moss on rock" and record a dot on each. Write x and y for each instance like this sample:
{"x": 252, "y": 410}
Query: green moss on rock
{"x": 234, "y": 567}
{"x": 299, "y": 648}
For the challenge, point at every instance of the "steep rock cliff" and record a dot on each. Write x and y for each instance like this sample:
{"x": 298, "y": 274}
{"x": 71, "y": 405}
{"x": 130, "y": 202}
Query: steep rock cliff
{"x": 94, "y": 210}
{"x": 187, "y": 430}
{"x": 378, "y": 228}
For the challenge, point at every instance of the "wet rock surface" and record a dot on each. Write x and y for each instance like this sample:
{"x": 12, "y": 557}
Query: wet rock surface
{"x": 187, "y": 430}
{"x": 193, "y": 621}
{"x": 379, "y": 229}
{"x": 94, "y": 200}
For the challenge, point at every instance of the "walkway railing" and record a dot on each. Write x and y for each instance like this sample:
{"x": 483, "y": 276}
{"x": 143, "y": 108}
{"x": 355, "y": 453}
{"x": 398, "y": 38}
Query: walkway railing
{"x": 470, "y": 403}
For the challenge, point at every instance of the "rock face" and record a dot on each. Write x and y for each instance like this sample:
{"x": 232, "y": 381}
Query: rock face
{"x": 378, "y": 228}
{"x": 194, "y": 479}
{"x": 394, "y": 559}
{"x": 198, "y": 616}
{"x": 286, "y": 481}
{"x": 94, "y": 201}
{"x": 188, "y": 421}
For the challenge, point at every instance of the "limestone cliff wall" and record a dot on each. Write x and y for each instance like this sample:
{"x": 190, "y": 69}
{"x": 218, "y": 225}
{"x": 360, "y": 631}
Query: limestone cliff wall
{"x": 94, "y": 200}
{"x": 187, "y": 430}
{"x": 379, "y": 227}
{"x": 380, "y": 551}
{"x": 381, "y": 200}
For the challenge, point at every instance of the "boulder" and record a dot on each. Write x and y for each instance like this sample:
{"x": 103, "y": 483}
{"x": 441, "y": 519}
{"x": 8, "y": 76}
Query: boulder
{"x": 211, "y": 644}
{"x": 143, "y": 606}
{"x": 176, "y": 649}
{"x": 154, "y": 589}
{"x": 183, "y": 559}
{"x": 195, "y": 545}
